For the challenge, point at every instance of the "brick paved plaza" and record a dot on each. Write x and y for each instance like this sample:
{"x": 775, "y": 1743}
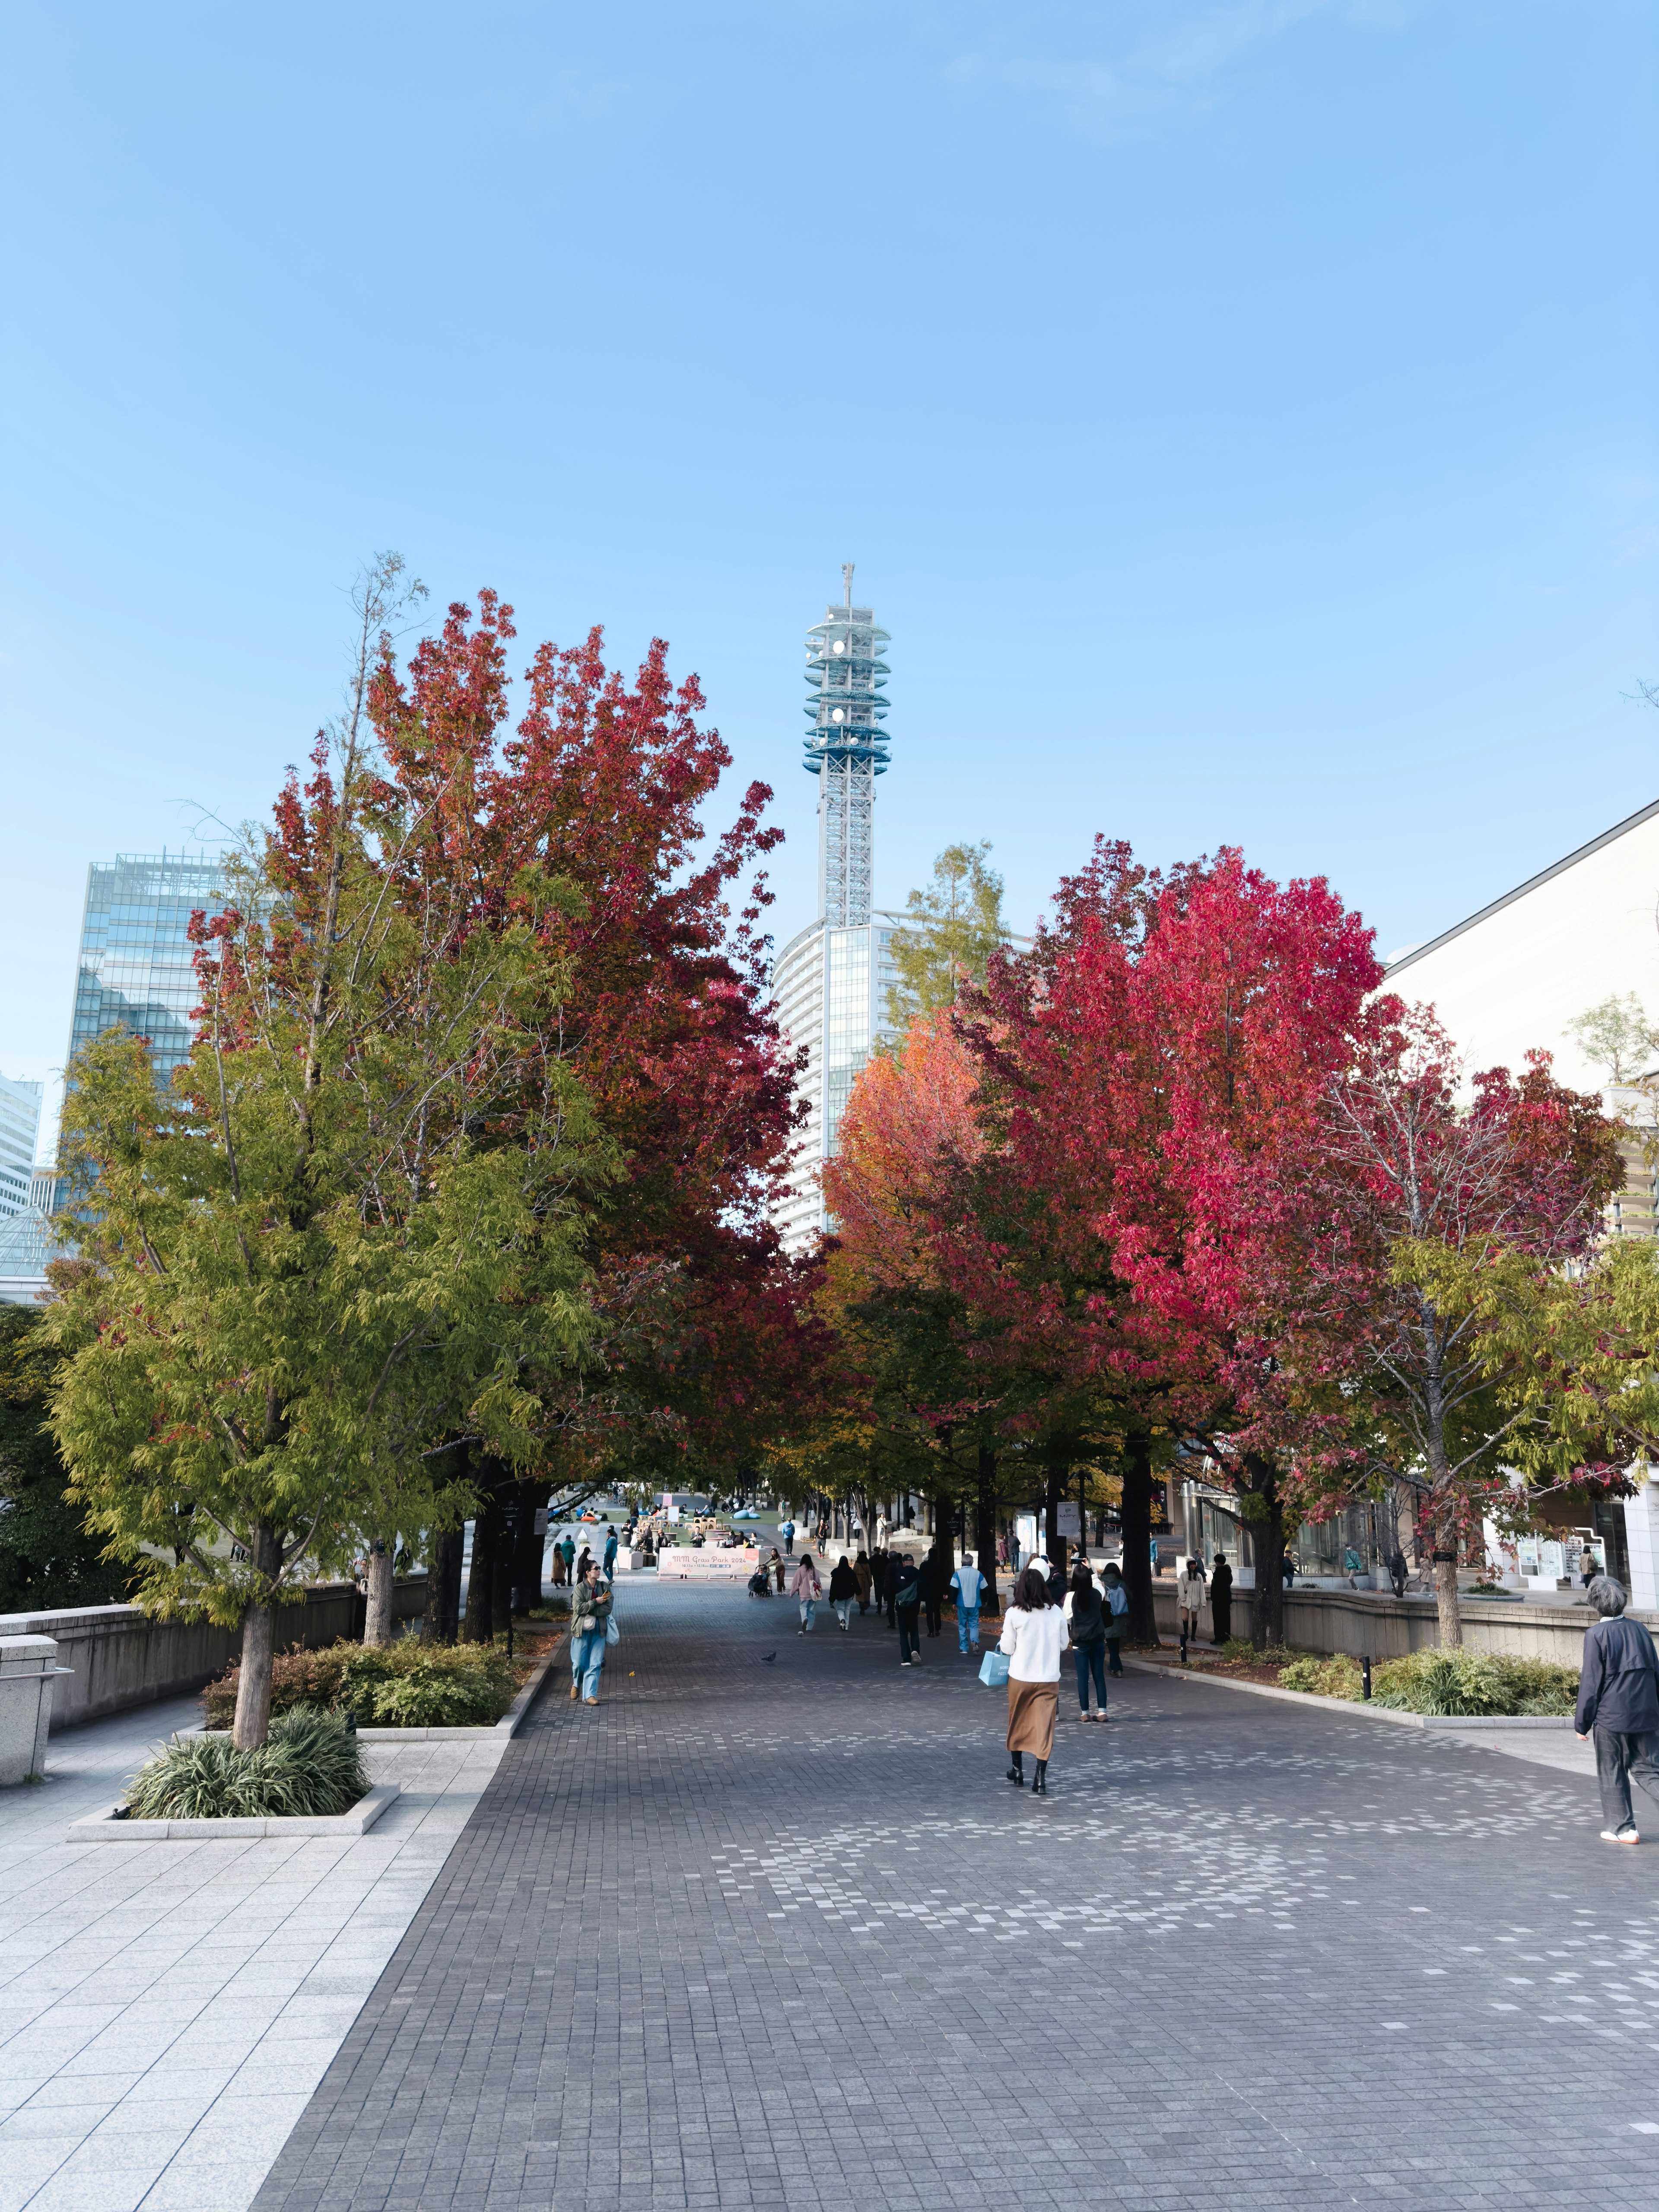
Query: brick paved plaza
{"x": 780, "y": 1936}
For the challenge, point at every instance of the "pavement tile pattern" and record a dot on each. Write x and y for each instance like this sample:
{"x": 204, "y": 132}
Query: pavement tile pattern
{"x": 773, "y": 1932}
{"x": 166, "y": 2010}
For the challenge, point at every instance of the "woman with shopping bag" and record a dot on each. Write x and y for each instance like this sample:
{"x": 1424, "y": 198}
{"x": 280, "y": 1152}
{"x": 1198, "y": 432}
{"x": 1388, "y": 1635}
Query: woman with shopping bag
{"x": 1033, "y": 1638}
{"x": 591, "y": 1628}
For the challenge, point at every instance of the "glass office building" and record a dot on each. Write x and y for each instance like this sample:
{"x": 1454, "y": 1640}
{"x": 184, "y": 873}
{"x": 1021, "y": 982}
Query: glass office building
{"x": 135, "y": 969}
{"x": 20, "y": 1127}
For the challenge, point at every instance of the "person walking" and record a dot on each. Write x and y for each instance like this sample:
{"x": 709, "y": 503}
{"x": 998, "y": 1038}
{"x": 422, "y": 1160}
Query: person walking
{"x": 590, "y": 1621}
{"x": 776, "y": 1564}
{"x": 843, "y": 1589}
{"x": 1221, "y": 1599}
{"x": 862, "y": 1579}
{"x": 933, "y": 1591}
{"x": 787, "y": 1530}
{"x": 1086, "y": 1624}
{"x": 882, "y": 1532}
{"x": 904, "y": 1595}
{"x": 584, "y": 1561}
{"x": 1618, "y": 1703}
{"x": 610, "y": 1555}
{"x": 1115, "y": 1599}
{"x": 808, "y": 1589}
{"x": 1033, "y": 1637}
{"x": 1189, "y": 1596}
{"x": 567, "y": 1549}
{"x": 968, "y": 1584}
{"x": 558, "y": 1567}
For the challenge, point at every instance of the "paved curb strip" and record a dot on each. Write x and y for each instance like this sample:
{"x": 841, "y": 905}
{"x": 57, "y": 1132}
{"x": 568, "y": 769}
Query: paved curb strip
{"x": 105, "y": 1828}
{"x": 1355, "y": 1708}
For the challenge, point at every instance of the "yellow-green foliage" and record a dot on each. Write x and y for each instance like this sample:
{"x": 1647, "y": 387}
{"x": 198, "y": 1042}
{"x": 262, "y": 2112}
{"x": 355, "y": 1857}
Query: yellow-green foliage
{"x": 407, "y": 1684}
{"x": 1337, "y": 1677}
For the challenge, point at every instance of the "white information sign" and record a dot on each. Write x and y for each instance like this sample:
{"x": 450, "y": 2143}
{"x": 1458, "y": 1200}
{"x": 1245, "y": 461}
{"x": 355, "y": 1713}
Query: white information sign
{"x": 708, "y": 1563}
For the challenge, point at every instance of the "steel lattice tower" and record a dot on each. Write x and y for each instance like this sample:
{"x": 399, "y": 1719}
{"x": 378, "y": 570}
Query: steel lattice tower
{"x": 847, "y": 749}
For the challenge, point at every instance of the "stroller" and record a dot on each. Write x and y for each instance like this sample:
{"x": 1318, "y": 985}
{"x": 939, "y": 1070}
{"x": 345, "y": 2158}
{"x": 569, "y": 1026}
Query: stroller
{"x": 760, "y": 1584}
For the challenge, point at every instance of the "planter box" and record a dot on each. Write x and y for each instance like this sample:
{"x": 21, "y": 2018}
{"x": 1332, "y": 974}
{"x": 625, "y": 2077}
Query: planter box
{"x": 503, "y": 1729}
{"x": 28, "y": 1674}
{"x": 1356, "y": 1708}
{"x": 105, "y": 1828}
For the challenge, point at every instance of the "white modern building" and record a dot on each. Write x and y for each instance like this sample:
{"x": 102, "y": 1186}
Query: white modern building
{"x": 1517, "y": 974}
{"x": 20, "y": 1127}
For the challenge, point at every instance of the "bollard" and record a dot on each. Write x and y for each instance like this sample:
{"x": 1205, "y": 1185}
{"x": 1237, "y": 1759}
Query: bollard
{"x": 1364, "y": 1678}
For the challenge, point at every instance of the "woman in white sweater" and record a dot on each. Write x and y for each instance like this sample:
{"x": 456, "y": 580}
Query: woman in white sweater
{"x": 1033, "y": 1637}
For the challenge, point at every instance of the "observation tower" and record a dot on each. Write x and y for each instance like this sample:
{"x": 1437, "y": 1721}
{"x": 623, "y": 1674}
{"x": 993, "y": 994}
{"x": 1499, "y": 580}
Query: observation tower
{"x": 830, "y": 981}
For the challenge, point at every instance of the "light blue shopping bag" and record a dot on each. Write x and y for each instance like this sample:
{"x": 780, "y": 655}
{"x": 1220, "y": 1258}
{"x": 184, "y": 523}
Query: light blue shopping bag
{"x": 994, "y": 1671}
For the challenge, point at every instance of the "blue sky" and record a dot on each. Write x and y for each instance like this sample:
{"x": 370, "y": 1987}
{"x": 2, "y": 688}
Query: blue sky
{"x": 1242, "y": 417}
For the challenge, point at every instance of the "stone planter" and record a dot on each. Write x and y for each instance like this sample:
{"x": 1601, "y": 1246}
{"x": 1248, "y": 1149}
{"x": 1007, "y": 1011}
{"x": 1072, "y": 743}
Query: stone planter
{"x": 28, "y": 1673}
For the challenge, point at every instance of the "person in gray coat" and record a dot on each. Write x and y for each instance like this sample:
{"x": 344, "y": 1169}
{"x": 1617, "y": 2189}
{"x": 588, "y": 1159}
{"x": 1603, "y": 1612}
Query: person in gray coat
{"x": 1618, "y": 1702}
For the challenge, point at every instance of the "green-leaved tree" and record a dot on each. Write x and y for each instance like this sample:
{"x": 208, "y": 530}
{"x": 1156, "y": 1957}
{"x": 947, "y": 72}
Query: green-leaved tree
{"x": 955, "y": 924}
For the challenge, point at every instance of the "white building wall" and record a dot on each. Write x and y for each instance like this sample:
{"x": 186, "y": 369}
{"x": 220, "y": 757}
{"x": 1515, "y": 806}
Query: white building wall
{"x": 1517, "y": 973}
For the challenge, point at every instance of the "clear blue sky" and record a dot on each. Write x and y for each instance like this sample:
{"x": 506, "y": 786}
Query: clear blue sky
{"x": 1243, "y": 418}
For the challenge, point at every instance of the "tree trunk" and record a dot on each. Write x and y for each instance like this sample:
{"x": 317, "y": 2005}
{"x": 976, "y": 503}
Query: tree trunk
{"x": 443, "y": 1587}
{"x": 985, "y": 1528}
{"x": 251, "y": 1725}
{"x": 486, "y": 1528}
{"x": 1446, "y": 1604}
{"x": 377, "y": 1616}
{"x": 1137, "y": 1513}
{"x": 1267, "y": 1551}
{"x": 532, "y": 1549}
{"x": 944, "y": 1566}
{"x": 1058, "y": 1458}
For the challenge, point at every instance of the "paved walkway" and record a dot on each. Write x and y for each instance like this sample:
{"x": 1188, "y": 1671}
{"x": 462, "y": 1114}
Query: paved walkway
{"x": 777, "y": 1935}
{"x": 166, "y": 2010}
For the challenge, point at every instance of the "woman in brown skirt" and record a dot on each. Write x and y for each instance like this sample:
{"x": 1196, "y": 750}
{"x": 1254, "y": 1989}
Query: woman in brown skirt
{"x": 1033, "y": 1637}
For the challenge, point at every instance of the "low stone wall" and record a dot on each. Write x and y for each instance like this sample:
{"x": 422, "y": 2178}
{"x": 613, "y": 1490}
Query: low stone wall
{"x": 1383, "y": 1626}
{"x": 120, "y": 1658}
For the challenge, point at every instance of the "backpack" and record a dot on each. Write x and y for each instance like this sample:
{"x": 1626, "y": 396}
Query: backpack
{"x": 1117, "y": 1601}
{"x": 1088, "y": 1628}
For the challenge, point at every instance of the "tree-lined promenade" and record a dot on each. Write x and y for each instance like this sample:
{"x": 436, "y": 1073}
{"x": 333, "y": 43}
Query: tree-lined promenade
{"x": 460, "y": 1203}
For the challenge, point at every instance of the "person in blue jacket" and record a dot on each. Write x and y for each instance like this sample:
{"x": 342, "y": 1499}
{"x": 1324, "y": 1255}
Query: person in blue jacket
{"x": 1618, "y": 1702}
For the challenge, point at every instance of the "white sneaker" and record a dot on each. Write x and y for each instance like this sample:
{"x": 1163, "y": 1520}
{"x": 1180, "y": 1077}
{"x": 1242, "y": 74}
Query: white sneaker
{"x": 1619, "y": 1836}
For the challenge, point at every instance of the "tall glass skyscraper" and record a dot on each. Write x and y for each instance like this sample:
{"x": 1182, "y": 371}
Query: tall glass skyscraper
{"x": 20, "y": 1125}
{"x": 830, "y": 981}
{"x": 135, "y": 969}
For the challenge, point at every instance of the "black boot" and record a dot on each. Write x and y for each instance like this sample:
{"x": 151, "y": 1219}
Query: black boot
{"x": 1040, "y": 1779}
{"x": 1017, "y": 1772}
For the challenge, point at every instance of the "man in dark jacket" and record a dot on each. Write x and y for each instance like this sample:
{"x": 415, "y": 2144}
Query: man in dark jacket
{"x": 905, "y": 1591}
{"x": 1221, "y": 1600}
{"x": 1619, "y": 1700}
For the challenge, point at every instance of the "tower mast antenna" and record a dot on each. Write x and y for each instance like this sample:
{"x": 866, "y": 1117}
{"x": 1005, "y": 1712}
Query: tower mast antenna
{"x": 847, "y": 579}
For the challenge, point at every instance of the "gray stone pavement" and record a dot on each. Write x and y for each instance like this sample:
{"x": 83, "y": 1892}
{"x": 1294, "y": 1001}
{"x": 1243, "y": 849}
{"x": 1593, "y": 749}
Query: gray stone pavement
{"x": 778, "y": 1936}
{"x": 166, "y": 2010}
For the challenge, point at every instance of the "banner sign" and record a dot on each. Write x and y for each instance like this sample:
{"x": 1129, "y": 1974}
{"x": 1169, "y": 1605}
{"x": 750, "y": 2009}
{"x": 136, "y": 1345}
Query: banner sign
{"x": 707, "y": 1564}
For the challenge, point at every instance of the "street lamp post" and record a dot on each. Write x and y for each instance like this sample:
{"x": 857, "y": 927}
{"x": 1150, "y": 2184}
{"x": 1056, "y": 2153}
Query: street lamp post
{"x": 510, "y": 1523}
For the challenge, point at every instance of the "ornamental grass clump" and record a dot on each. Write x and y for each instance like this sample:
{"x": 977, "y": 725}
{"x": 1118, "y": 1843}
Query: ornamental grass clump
{"x": 310, "y": 1769}
{"x": 1463, "y": 1684}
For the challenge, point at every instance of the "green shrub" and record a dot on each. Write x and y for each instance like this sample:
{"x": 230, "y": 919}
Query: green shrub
{"x": 1337, "y": 1677}
{"x": 1470, "y": 1685}
{"x": 470, "y": 1686}
{"x": 310, "y": 1769}
{"x": 405, "y": 1684}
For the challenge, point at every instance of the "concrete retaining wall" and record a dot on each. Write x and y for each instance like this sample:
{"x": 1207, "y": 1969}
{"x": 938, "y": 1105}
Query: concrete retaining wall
{"x": 121, "y": 1658}
{"x": 1383, "y": 1626}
